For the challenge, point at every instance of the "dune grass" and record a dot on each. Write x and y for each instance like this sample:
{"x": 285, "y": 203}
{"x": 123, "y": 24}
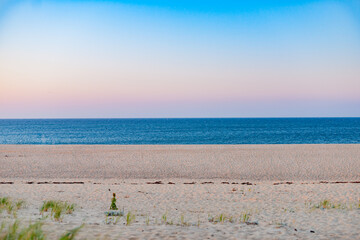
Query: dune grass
{"x": 147, "y": 220}
{"x": 129, "y": 218}
{"x": 222, "y": 218}
{"x": 10, "y": 206}
{"x": 33, "y": 231}
{"x": 183, "y": 222}
{"x": 70, "y": 235}
{"x": 57, "y": 208}
{"x": 244, "y": 217}
{"x": 164, "y": 220}
{"x": 327, "y": 204}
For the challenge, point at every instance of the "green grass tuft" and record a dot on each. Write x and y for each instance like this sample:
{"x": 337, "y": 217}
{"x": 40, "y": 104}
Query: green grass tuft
{"x": 164, "y": 218}
{"x": 244, "y": 217}
{"x": 182, "y": 221}
{"x": 10, "y": 206}
{"x": 222, "y": 218}
{"x": 129, "y": 218}
{"x": 32, "y": 232}
{"x": 327, "y": 204}
{"x": 70, "y": 235}
{"x": 57, "y": 208}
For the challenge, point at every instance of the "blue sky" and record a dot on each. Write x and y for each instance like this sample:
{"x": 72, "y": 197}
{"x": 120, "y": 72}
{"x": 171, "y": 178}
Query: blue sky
{"x": 179, "y": 59}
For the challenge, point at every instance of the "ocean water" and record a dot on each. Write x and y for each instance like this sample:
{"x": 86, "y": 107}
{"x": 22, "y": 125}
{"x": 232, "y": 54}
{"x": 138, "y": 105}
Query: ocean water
{"x": 181, "y": 131}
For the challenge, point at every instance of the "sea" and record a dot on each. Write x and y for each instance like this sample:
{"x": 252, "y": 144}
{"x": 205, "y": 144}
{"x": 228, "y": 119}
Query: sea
{"x": 181, "y": 131}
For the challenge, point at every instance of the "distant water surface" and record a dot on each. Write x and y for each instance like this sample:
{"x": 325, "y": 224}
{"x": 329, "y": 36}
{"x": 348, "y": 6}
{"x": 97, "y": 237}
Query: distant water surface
{"x": 181, "y": 131}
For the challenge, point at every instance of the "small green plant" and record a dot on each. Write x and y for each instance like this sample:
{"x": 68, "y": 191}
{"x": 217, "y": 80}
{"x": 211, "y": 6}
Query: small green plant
{"x": 164, "y": 218}
{"x": 4, "y": 201}
{"x": 129, "y": 218}
{"x": 2, "y": 226}
{"x": 19, "y": 204}
{"x": 113, "y": 203}
{"x": 182, "y": 221}
{"x": 147, "y": 221}
{"x": 218, "y": 219}
{"x": 57, "y": 208}
{"x": 69, "y": 208}
{"x": 244, "y": 217}
{"x": 221, "y": 218}
{"x": 324, "y": 204}
{"x": 10, "y": 206}
{"x": 70, "y": 235}
{"x": 47, "y": 205}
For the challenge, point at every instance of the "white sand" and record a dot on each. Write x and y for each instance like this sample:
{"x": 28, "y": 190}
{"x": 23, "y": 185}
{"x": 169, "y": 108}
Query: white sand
{"x": 125, "y": 170}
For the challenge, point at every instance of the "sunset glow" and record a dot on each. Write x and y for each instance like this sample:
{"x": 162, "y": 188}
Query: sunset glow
{"x": 179, "y": 59}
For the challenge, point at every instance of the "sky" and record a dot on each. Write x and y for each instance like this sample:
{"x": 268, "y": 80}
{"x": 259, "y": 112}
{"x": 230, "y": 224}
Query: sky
{"x": 179, "y": 58}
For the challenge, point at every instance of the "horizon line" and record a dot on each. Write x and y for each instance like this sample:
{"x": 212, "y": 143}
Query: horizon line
{"x": 139, "y": 118}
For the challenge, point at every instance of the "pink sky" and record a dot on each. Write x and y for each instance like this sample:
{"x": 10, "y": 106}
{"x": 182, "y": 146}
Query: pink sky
{"x": 115, "y": 60}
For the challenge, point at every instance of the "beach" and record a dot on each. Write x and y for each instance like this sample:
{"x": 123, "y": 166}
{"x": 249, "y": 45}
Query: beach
{"x": 188, "y": 191}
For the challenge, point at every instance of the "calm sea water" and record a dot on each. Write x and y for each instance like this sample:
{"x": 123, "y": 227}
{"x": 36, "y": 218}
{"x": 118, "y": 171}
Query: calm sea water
{"x": 181, "y": 131}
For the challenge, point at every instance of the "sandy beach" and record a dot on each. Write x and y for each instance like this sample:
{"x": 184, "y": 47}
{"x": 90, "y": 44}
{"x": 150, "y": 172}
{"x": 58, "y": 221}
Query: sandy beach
{"x": 179, "y": 120}
{"x": 240, "y": 162}
{"x": 188, "y": 191}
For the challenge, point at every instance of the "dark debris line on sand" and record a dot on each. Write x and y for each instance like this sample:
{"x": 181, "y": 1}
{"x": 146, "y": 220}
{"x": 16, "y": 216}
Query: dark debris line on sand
{"x": 171, "y": 183}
